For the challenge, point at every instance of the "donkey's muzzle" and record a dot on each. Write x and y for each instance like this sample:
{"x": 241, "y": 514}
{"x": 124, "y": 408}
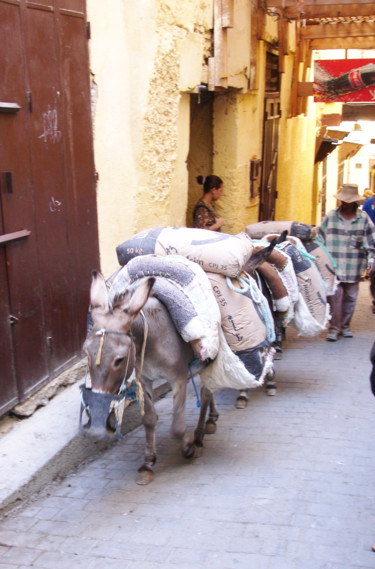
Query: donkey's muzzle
{"x": 101, "y": 414}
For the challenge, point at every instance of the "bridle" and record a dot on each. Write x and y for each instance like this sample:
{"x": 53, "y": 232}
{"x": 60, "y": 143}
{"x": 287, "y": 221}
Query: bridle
{"x": 102, "y": 333}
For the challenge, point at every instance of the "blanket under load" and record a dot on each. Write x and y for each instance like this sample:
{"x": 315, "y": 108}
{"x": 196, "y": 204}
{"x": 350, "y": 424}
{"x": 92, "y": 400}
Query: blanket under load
{"x": 246, "y": 321}
{"x": 311, "y": 311}
{"x": 183, "y": 287}
{"x": 295, "y": 228}
{"x": 213, "y": 251}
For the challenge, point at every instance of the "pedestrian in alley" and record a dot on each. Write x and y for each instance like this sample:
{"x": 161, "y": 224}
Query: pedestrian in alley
{"x": 349, "y": 236}
{"x": 205, "y": 216}
{"x": 369, "y": 208}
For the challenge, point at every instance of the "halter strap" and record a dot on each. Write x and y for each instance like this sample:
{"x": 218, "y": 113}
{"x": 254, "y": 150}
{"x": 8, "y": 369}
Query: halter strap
{"x": 102, "y": 332}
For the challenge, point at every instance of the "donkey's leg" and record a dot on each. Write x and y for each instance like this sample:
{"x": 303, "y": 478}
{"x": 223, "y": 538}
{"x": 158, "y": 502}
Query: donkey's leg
{"x": 270, "y": 383}
{"x": 213, "y": 416}
{"x": 149, "y": 420}
{"x": 179, "y": 388}
{"x": 279, "y": 340}
{"x": 242, "y": 399}
{"x": 206, "y": 401}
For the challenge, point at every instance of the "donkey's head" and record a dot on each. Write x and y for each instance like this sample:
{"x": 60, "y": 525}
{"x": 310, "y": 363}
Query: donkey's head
{"x": 109, "y": 347}
{"x": 110, "y": 352}
{"x": 261, "y": 256}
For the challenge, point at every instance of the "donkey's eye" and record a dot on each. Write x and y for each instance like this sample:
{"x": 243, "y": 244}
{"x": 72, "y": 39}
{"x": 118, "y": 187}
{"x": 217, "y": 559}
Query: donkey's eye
{"x": 118, "y": 361}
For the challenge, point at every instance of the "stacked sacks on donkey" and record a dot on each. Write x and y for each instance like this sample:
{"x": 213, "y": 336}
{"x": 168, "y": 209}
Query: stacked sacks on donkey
{"x": 217, "y": 253}
{"x": 278, "y": 282}
{"x": 324, "y": 262}
{"x": 214, "y": 252}
{"x": 185, "y": 289}
{"x": 311, "y": 309}
{"x": 259, "y": 230}
{"x": 248, "y": 327}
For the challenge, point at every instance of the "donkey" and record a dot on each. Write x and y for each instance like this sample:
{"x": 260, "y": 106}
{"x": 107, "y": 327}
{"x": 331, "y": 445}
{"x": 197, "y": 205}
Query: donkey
{"x": 117, "y": 344}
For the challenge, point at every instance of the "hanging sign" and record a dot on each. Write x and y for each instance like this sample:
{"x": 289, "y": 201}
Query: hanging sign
{"x": 344, "y": 80}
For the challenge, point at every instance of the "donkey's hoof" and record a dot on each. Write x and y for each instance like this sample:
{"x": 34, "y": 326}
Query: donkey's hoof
{"x": 241, "y": 402}
{"x": 145, "y": 477}
{"x": 278, "y": 355}
{"x": 271, "y": 390}
{"x": 189, "y": 450}
{"x": 210, "y": 428}
{"x": 198, "y": 451}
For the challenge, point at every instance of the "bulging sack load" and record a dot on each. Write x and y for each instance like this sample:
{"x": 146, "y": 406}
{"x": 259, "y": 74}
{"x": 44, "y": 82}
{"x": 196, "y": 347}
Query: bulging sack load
{"x": 262, "y": 228}
{"x": 186, "y": 292}
{"x": 214, "y": 252}
{"x": 312, "y": 299}
{"x": 325, "y": 263}
{"x": 246, "y": 322}
{"x": 241, "y": 319}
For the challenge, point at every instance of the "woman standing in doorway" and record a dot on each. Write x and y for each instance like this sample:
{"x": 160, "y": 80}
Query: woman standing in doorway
{"x": 205, "y": 216}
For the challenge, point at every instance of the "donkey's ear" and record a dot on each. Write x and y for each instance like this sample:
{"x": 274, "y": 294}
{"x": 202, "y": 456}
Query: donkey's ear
{"x": 98, "y": 292}
{"x": 134, "y": 303}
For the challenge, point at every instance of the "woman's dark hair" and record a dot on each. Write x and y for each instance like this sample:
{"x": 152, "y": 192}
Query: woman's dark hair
{"x": 209, "y": 182}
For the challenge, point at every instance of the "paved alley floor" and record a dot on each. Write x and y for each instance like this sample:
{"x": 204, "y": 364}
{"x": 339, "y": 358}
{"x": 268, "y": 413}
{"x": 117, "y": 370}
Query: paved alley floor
{"x": 287, "y": 483}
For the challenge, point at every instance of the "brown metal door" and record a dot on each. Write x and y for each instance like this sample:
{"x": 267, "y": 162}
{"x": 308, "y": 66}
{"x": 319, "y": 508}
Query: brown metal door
{"x": 19, "y": 257}
{"x": 51, "y": 202}
{"x": 268, "y": 192}
{"x": 48, "y": 188}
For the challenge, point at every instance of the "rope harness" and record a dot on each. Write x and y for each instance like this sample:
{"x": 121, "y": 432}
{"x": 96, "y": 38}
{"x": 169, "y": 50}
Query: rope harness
{"x": 249, "y": 286}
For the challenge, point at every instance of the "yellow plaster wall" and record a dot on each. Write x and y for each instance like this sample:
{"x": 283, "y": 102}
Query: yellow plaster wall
{"x": 237, "y": 131}
{"x": 295, "y": 171}
{"x": 143, "y": 59}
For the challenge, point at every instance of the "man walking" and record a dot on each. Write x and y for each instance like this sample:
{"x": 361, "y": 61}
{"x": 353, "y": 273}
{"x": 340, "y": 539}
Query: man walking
{"x": 349, "y": 236}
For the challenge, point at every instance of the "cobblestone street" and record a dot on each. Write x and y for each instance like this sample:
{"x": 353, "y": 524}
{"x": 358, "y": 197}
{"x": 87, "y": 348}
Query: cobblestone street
{"x": 287, "y": 483}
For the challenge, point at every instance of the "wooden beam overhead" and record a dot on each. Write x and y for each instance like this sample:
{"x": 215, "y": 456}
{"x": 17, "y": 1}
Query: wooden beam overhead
{"x": 331, "y": 30}
{"x": 323, "y": 8}
{"x": 293, "y": 3}
{"x": 330, "y": 11}
{"x": 305, "y": 89}
{"x": 358, "y": 112}
{"x": 343, "y": 43}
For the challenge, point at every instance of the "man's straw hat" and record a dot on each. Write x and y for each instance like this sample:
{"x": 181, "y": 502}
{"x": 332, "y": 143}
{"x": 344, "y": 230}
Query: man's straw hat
{"x": 349, "y": 193}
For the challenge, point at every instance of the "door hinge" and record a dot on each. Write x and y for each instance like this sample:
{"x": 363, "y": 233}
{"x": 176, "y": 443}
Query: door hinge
{"x": 88, "y": 30}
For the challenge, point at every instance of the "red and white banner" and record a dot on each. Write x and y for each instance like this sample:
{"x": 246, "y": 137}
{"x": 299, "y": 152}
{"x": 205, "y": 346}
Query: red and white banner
{"x": 344, "y": 80}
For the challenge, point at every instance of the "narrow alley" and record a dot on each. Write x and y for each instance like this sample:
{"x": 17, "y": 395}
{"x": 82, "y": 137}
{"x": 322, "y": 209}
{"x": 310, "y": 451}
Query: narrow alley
{"x": 284, "y": 484}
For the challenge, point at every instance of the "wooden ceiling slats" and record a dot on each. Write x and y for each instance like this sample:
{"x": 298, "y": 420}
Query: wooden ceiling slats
{"x": 317, "y": 9}
{"x": 353, "y": 29}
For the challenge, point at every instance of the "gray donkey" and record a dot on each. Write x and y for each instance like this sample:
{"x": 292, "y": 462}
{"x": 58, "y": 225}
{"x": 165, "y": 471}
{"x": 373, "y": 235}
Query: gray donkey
{"x": 137, "y": 333}
{"x": 123, "y": 338}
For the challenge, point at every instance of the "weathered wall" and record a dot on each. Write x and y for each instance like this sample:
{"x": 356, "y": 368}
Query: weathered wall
{"x": 295, "y": 172}
{"x": 144, "y": 56}
{"x": 237, "y": 127}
